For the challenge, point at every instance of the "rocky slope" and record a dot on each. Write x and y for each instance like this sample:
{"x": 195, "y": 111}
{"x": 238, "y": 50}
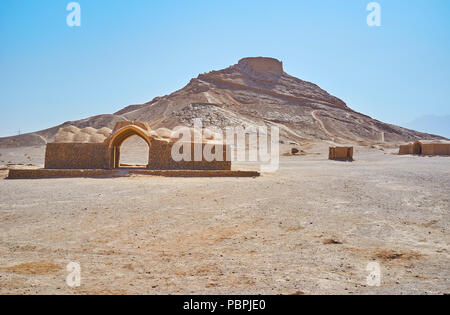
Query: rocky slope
{"x": 253, "y": 92}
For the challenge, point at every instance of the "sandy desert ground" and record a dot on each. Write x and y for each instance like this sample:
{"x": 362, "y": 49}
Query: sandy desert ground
{"x": 310, "y": 228}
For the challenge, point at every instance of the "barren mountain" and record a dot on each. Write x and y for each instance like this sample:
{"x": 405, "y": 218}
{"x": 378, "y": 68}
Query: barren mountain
{"x": 255, "y": 91}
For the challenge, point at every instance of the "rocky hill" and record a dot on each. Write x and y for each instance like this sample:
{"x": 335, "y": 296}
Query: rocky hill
{"x": 253, "y": 92}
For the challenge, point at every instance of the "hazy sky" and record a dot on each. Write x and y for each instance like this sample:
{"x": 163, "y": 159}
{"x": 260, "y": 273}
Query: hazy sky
{"x": 129, "y": 51}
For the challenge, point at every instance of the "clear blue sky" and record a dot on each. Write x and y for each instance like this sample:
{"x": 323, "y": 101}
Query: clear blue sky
{"x": 129, "y": 51}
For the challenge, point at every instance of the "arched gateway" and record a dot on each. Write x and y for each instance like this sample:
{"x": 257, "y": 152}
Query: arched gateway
{"x": 121, "y": 134}
{"x": 94, "y": 151}
{"x": 417, "y": 148}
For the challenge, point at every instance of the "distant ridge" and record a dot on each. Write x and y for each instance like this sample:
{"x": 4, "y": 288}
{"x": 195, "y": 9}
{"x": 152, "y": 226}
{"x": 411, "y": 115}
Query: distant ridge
{"x": 254, "y": 91}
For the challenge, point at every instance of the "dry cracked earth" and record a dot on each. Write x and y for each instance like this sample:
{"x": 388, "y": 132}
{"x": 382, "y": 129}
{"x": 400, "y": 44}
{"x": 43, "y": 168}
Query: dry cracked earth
{"x": 310, "y": 228}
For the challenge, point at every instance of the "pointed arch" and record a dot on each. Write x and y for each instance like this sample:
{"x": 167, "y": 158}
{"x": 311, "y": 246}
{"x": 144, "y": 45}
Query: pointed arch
{"x": 118, "y": 138}
{"x": 417, "y": 148}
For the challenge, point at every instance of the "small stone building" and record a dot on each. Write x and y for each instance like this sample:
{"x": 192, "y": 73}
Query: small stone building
{"x": 341, "y": 153}
{"x": 426, "y": 148}
{"x": 89, "y": 148}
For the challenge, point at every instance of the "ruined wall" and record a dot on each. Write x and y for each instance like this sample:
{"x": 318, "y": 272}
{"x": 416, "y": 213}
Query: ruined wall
{"x": 425, "y": 149}
{"x": 405, "y": 149}
{"x": 436, "y": 149}
{"x": 77, "y": 156}
{"x": 341, "y": 153}
{"x": 100, "y": 156}
{"x": 161, "y": 159}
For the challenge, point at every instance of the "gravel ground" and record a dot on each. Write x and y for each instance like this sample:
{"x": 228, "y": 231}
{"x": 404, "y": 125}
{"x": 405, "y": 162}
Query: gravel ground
{"x": 310, "y": 228}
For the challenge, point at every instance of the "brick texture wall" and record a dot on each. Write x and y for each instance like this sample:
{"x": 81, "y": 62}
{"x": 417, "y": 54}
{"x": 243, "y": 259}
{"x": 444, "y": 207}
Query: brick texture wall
{"x": 77, "y": 156}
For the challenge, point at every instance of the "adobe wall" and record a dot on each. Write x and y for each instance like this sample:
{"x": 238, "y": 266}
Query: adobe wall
{"x": 426, "y": 148}
{"x": 405, "y": 149}
{"x": 77, "y": 156}
{"x": 101, "y": 156}
{"x": 436, "y": 149}
{"x": 341, "y": 153}
{"x": 161, "y": 159}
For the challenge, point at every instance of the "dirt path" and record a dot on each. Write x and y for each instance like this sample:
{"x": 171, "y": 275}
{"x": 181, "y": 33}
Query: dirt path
{"x": 314, "y": 116}
{"x": 333, "y": 137}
